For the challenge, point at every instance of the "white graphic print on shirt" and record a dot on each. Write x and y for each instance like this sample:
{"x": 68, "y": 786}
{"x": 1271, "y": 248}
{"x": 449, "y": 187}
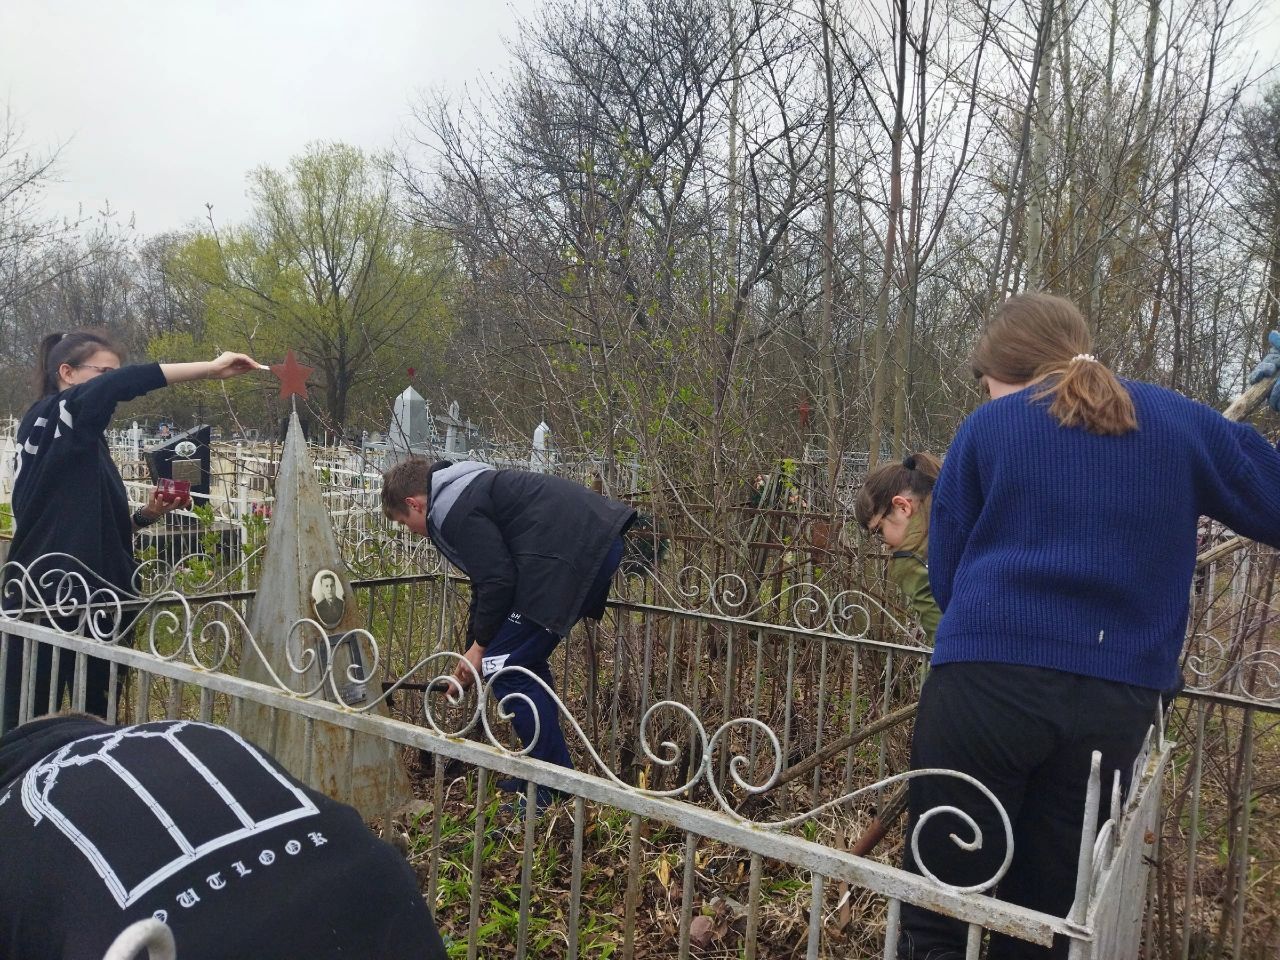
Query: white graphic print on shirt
{"x": 101, "y": 766}
{"x": 30, "y": 444}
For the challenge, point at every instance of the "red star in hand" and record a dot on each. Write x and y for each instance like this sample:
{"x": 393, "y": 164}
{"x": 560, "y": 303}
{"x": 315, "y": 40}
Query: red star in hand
{"x": 293, "y": 376}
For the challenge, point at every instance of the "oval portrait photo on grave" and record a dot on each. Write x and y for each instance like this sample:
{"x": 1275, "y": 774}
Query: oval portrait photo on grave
{"x": 329, "y": 598}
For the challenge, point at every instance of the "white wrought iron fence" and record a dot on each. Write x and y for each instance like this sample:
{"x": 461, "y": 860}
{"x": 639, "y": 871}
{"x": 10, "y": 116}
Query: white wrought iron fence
{"x": 716, "y": 644}
{"x": 184, "y": 666}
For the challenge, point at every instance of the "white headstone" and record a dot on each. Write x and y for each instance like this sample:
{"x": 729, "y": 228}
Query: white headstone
{"x": 451, "y": 431}
{"x": 8, "y": 453}
{"x": 135, "y": 440}
{"x": 540, "y": 458}
{"x": 410, "y": 422}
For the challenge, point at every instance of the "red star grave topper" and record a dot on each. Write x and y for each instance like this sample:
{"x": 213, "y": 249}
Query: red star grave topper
{"x": 293, "y": 376}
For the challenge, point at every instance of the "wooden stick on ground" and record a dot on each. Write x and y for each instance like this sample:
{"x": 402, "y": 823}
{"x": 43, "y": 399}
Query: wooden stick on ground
{"x": 894, "y": 807}
{"x": 808, "y": 764}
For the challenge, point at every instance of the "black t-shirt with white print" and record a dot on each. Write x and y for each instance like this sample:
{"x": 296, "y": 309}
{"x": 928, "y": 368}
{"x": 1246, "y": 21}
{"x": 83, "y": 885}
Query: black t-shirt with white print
{"x": 189, "y": 823}
{"x": 67, "y": 493}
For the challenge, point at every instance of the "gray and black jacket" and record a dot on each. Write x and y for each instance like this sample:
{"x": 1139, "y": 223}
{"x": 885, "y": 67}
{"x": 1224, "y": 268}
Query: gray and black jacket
{"x": 530, "y": 543}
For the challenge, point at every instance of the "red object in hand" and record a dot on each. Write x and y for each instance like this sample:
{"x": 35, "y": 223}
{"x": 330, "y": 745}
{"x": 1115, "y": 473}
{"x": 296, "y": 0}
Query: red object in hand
{"x": 173, "y": 490}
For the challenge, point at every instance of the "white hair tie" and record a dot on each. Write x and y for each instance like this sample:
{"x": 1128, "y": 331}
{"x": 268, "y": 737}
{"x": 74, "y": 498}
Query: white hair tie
{"x": 1084, "y": 357}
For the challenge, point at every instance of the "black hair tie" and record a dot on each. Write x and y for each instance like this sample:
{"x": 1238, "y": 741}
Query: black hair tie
{"x": 910, "y": 462}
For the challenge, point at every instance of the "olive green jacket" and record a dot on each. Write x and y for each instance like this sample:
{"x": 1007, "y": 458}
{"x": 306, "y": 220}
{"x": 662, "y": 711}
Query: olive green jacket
{"x": 909, "y": 569}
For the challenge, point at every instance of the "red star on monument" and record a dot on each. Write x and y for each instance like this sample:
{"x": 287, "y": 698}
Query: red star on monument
{"x": 293, "y": 376}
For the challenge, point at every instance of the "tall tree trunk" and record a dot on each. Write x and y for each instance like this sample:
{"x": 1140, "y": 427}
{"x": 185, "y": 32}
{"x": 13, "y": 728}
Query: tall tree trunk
{"x": 1124, "y": 256}
{"x": 1038, "y": 172}
{"x": 826, "y": 333}
{"x": 880, "y": 377}
{"x": 1271, "y": 309}
{"x": 731, "y": 300}
{"x": 911, "y": 249}
{"x": 1005, "y": 263}
{"x": 1072, "y": 229}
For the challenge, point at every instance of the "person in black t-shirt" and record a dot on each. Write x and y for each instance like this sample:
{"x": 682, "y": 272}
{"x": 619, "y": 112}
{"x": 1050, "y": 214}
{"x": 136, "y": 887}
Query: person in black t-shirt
{"x": 68, "y": 497}
{"x": 103, "y": 826}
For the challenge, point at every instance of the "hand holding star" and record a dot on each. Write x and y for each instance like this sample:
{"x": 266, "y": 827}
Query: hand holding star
{"x": 228, "y": 365}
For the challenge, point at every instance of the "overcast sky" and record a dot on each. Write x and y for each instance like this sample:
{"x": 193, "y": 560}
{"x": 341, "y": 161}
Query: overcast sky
{"x": 163, "y": 106}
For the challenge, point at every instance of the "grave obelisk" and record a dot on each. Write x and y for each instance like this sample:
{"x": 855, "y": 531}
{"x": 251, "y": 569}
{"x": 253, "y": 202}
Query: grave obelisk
{"x": 304, "y": 576}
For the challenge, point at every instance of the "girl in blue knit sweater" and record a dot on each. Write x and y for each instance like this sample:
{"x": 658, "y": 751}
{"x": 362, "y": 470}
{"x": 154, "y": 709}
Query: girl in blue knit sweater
{"x": 1062, "y": 545}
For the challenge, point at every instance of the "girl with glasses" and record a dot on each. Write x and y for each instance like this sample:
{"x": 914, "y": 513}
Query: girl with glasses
{"x": 69, "y": 504}
{"x": 893, "y": 504}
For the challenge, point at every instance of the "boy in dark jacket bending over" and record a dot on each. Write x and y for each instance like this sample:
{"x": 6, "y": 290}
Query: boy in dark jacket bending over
{"x": 540, "y": 552}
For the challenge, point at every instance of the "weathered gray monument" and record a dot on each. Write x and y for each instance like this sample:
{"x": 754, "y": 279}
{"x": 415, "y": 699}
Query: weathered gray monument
{"x": 304, "y": 577}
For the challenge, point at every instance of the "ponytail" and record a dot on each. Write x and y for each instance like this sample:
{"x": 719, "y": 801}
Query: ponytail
{"x": 73, "y": 348}
{"x": 914, "y": 477}
{"x": 42, "y": 365}
{"x": 1037, "y": 336}
{"x": 1086, "y": 394}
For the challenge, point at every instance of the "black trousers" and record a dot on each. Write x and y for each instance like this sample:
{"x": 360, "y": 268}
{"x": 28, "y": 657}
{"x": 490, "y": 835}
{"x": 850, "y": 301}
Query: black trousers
{"x": 1028, "y": 734}
{"x": 97, "y": 677}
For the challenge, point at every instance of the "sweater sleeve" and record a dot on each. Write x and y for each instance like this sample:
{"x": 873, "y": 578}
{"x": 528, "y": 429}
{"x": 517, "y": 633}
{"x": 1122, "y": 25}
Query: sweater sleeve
{"x": 957, "y": 501}
{"x": 911, "y": 574}
{"x": 483, "y": 554}
{"x": 1241, "y": 487}
{"x": 89, "y": 406}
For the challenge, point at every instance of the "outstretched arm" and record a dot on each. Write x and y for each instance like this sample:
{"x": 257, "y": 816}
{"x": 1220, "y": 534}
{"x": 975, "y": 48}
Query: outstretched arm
{"x": 89, "y": 406}
{"x": 226, "y": 365}
{"x": 1242, "y": 483}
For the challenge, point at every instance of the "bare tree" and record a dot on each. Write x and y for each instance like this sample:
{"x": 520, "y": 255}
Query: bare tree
{"x": 35, "y": 248}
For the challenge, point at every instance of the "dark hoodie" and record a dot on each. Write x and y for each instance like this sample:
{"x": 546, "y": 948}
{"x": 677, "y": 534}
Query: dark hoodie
{"x": 530, "y": 543}
{"x": 67, "y": 493}
{"x": 21, "y": 748}
{"x": 103, "y": 826}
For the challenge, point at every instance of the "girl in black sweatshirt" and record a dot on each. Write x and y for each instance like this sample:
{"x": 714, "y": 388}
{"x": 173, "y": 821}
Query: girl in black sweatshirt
{"x": 68, "y": 497}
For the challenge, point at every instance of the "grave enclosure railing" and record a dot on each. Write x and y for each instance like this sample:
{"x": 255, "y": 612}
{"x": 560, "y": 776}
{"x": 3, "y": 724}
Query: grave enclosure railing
{"x": 1217, "y": 883}
{"x": 797, "y": 659}
{"x": 674, "y": 770}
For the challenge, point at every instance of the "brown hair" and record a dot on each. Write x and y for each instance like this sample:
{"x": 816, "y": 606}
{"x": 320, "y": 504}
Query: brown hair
{"x": 1037, "y": 335}
{"x": 914, "y": 477}
{"x": 408, "y": 478}
{"x": 73, "y": 348}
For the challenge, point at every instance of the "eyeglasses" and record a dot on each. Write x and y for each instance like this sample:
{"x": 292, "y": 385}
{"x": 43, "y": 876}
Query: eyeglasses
{"x": 874, "y": 526}
{"x": 91, "y": 366}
